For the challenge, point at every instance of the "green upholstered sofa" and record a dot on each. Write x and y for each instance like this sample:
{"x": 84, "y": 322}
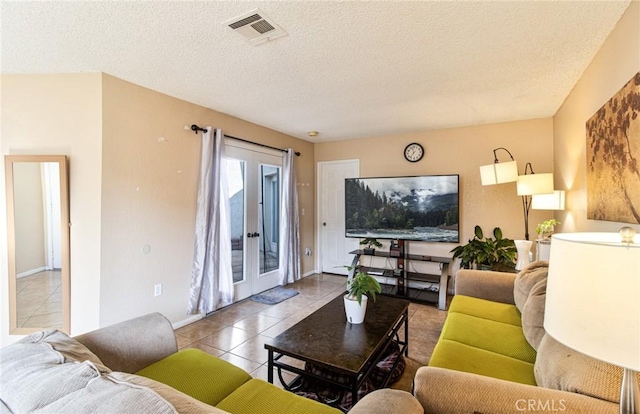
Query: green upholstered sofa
{"x": 494, "y": 356}
{"x": 133, "y": 366}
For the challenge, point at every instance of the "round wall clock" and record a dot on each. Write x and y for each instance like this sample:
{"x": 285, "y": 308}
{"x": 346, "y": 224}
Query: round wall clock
{"x": 413, "y": 152}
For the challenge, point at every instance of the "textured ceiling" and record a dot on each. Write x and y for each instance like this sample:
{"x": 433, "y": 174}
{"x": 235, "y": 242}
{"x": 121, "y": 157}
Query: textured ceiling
{"x": 347, "y": 69}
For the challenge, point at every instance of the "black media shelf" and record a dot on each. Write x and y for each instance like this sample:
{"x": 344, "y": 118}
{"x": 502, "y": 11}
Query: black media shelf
{"x": 409, "y": 285}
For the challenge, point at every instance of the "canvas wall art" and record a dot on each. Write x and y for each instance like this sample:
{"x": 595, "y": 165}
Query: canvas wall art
{"x": 613, "y": 157}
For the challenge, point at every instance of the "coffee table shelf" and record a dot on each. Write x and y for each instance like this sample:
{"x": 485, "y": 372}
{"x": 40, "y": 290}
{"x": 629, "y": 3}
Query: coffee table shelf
{"x": 326, "y": 340}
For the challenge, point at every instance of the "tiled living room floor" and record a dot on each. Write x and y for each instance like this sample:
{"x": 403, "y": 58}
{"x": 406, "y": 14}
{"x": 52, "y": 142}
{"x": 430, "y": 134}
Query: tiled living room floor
{"x": 238, "y": 332}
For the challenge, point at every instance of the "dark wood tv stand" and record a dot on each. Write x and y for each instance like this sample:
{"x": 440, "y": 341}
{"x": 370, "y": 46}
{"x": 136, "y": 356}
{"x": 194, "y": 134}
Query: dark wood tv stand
{"x": 403, "y": 277}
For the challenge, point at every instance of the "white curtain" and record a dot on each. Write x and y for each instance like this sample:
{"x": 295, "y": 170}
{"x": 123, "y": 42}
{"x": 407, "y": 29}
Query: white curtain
{"x": 212, "y": 275}
{"x": 289, "y": 223}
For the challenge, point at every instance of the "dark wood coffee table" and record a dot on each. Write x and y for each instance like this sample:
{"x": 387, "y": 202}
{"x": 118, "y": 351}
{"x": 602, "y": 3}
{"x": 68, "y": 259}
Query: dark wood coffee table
{"x": 325, "y": 339}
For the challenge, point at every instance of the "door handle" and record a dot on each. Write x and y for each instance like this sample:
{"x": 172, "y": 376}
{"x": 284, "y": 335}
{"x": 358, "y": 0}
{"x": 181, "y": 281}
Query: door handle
{"x": 250, "y": 235}
{"x": 324, "y": 224}
{"x": 256, "y": 234}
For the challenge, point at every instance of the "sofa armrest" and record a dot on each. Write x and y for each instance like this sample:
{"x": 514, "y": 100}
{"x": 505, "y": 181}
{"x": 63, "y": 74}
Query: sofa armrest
{"x": 387, "y": 400}
{"x": 483, "y": 284}
{"x": 132, "y": 345}
{"x": 441, "y": 390}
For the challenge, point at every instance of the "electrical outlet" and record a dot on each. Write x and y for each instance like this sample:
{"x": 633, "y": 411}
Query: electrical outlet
{"x": 307, "y": 251}
{"x": 157, "y": 289}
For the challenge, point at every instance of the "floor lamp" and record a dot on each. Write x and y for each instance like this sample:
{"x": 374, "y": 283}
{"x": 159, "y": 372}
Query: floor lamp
{"x": 531, "y": 184}
{"x": 552, "y": 201}
{"x": 528, "y": 185}
{"x": 593, "y": 301}
{"x": 499, "y": 173}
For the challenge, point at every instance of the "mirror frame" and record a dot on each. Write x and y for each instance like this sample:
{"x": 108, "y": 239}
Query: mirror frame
{"x": 61, "y": 160}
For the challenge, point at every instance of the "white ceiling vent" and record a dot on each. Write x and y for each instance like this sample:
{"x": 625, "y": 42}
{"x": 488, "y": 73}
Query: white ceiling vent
{"x": 255, "y": 27}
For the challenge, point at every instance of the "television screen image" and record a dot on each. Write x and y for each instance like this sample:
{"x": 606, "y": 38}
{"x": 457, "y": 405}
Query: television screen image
{"x": 422, "y": 208}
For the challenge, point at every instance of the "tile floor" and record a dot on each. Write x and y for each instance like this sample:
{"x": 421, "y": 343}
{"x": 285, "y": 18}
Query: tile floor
{"x": 39, "y": 300}
{"x": 238, "y": 332}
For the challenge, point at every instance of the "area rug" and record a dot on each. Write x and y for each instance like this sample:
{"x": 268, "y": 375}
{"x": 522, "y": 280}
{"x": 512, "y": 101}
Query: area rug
{"x": 335, "y": 396}
{"x": 275, "y": 295}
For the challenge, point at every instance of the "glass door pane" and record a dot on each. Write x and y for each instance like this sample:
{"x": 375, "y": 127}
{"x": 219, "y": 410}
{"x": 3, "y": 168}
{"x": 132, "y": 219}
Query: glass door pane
{"x": 269, "y": 218}
{"x": 236, "y": 181}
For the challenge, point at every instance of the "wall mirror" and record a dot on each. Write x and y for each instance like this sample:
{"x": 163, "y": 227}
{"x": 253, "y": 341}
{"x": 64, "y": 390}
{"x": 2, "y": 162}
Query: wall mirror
{"x": 38, "y": 241}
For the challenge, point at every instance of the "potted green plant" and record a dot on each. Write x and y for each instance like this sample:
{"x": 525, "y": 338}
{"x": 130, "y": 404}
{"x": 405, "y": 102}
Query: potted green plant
{"x": 486, "y": 253}
{"x": 369, "y": 241}
{"x": 546, "y": 228}
{"x": 361, "y": 287}
{"x": 543, "y": 244}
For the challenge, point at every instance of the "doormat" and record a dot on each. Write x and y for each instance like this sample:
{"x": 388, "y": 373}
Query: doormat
{"x": 275, "y": 295}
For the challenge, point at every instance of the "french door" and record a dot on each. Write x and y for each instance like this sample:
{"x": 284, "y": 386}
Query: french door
{"x": 254, "y": 180}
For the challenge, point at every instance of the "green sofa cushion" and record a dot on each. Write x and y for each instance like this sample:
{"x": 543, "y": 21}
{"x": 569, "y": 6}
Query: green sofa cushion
{"x": 486, "y": 309}
{"x": 462, "y": 357}
{"x": 500, "y": 338}
{"x": 198, "y": 374}
{"x": 257, "y": 396}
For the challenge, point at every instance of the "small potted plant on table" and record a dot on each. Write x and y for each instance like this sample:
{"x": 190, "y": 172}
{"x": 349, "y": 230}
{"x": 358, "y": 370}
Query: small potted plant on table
{"x": 370, "y": 242}
{"x": 546, "y": 228}
{"x": 359, "y": 289}
{"x": 543, "y": 244}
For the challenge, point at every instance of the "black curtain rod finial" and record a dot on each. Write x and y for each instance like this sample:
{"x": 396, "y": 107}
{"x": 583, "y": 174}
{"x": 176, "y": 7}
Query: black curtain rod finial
{"x": 195, "y": 128}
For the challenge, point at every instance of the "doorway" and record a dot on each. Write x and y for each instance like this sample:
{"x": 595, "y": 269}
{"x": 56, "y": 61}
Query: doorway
{"x": 334, "y": 246}
{"x": 53, "y": 226}
{"x": 254, "y": 179}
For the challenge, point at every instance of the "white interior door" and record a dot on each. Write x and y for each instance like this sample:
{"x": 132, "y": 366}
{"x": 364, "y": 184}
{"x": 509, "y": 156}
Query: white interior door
{"x": 254, "y": 198}
{"x": 334, "y": 246}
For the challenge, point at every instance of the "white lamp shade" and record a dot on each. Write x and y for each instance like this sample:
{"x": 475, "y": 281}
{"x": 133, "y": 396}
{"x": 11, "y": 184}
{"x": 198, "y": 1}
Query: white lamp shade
{"x": 530, "y": 184}
{"x": 593, "y": 296}
{"x": 499, "y": 172}
{"x": 553, "y": 201}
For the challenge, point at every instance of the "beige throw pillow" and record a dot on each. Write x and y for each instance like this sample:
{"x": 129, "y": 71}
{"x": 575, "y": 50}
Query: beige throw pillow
{"x": 526, "y": 280}
{"x": 533, "y": 314}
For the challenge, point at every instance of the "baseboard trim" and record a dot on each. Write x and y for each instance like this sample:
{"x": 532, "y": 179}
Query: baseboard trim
{"x": 31, "y": 272}
{"x": 187, "y": 321}
{"x": 310, "y": 273}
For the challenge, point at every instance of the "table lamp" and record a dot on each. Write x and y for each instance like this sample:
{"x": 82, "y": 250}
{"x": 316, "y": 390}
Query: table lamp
{"x": 593, "y": 301}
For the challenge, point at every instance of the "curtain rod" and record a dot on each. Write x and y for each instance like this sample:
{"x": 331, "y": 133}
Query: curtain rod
{"x": 195, "y": 128}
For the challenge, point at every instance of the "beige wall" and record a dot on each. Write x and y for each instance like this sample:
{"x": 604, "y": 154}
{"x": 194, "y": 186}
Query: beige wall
{"x": 149, "y": 190}
{"x": 461, "y": 151}
{"x": 59, "y": 115}
{"x": 128, "y": 187}
{"x": 29, "y": 217}
{"x": 614, "y": 65}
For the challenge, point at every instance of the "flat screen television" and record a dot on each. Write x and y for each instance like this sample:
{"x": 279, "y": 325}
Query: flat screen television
{"x": 423, "y": 208}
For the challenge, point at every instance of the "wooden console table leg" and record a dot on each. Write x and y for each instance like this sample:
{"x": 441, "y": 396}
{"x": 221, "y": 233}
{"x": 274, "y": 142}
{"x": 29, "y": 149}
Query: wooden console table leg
{"x": 442, "y": 294}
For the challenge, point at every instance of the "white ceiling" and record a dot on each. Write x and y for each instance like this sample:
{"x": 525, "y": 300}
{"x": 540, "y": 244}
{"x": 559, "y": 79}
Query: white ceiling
{"x": 347, "y": 69}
